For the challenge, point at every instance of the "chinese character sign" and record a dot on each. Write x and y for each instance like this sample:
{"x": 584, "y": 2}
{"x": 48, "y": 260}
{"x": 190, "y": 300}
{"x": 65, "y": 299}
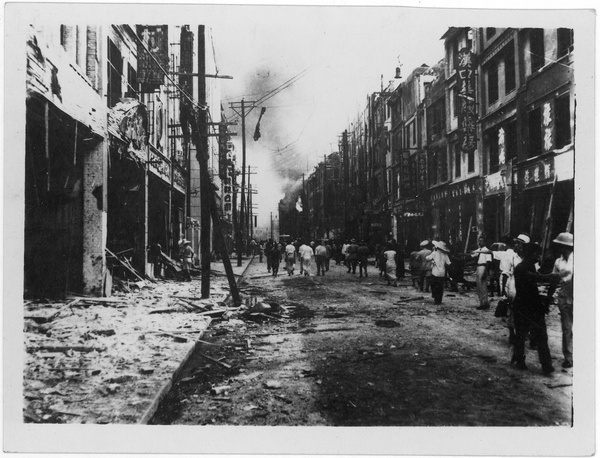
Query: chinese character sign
{"x": 548, "y": 124}
{"x": 501, "y": 147}
{"x": 467, "y": 115}
{"x": 152, "y": 53}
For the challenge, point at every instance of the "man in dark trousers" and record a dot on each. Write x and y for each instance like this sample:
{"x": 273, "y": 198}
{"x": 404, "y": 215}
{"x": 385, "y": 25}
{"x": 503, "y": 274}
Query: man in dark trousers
{"x": 530, "y": 311}
{"x": 363, "y": 257}
{"x": 352, "y": 257}
{"x": 268, "y": 249}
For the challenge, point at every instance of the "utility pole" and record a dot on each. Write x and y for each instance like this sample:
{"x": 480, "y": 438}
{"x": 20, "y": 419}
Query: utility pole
{"x": 199, "y": 130}
{"x": 271, "y": 225}
{"x": 241, "y": 229}
{"x": 202, "y": 151}
{"x": 345, "y": 186}
{"x": 249, "y": 209}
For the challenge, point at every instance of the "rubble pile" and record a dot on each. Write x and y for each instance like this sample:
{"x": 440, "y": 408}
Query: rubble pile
{"x": 103, "y": 360}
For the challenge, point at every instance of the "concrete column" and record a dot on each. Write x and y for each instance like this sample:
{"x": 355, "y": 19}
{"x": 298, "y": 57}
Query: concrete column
{"x": 95, "y": 180}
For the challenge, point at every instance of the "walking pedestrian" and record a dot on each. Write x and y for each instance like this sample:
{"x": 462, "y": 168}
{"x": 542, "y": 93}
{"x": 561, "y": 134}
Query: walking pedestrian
{"x": 390, "y": 265}
{"x": 306, "y": 256}
{"x": 187, "y": 258}
{"x": 321, "y": 257}
{"x": 290, "y": 258}
{"x": 484, "y": 260}
{"x": 363, "y": 258}
{"x": 275, "y": 256}
{"x": 268, "y": 250}
{"x": 352, "y": 257}
{"x": 440, "y": 260}
{"x": 530, "y": 311}
{"x": 563, "y": 268}
{"x": 261, "y": 250}
{"x": 380, "y": 259}
{"x": 329, "y": 255}
{"x": 510, "y": 259}
{"x": 415, "y": 268}
{"x": 426, "y": 266}
{"x": 345, "y": 247}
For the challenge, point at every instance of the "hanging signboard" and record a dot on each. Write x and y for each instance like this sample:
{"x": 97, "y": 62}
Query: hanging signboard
{"x": 405, "y": 181}
{"x": 537, "y": 174}
{"x": 467, "y": 112}
{"x": 153, "y": 53}
{"x": 495, "y": 183}
{"x": 179, "y": 181}
{"x": 159, "y": 165}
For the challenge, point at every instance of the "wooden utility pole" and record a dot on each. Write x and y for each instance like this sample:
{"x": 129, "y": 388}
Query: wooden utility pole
{"x": 197, "y": 120}
{"x": 206, "y": 193}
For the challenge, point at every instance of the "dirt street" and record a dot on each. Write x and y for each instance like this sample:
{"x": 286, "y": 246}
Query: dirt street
{"x": 350, "y": 351}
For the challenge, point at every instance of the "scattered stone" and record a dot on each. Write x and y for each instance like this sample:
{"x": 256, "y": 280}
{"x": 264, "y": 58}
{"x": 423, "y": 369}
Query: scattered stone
{"x": 113, "y": 388}
{"x": 220, "y": 389}
{"x": 273, "y": 384}
{"x": 146, "y": 370}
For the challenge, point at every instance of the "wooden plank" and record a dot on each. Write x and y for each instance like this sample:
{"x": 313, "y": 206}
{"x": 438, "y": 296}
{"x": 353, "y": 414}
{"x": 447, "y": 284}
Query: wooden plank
{"x": 225, "y": 365}
{"x": 127, "y": 266}
{"x": 65, "y": 348}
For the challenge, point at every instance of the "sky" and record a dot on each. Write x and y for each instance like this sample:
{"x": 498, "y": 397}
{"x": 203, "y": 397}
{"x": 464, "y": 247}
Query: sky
{"x": 338, "y": 55}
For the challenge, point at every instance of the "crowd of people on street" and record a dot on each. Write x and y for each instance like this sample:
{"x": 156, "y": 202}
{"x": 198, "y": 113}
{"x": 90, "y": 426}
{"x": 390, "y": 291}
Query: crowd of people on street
{"x": 510, "y": 269}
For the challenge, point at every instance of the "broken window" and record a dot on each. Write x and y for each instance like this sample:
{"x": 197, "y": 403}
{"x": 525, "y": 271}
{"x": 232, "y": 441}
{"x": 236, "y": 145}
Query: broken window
{"x": 509, "y": 68}
{"x": 565, "y": 42}
{"x": 536, "y": 47}
{"x": 115, "y": 73}
{"x": 492, "y": 81}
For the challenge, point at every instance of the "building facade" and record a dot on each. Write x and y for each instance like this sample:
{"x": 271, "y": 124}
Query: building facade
{"x": 480, "y": 143}
{"x": 108, "y": 160}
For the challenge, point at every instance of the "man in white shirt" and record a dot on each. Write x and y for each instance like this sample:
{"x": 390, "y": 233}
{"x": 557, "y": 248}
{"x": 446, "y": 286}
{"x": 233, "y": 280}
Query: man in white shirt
{"x": 564, "y": 268}
{"x": 306, "y": 255}
{"x": 321, "y": 257}
{"x": 484, "y": 261}
{"x": 290, "y": 258}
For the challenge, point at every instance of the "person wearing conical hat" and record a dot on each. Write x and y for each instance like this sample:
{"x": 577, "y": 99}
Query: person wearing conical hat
{"x": 563, "y": 267}
{"x": 440, "y": 260}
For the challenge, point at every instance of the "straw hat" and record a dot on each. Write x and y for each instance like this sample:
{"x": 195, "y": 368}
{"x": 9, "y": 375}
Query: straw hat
{"x": 523, "y": 238}
{"x": 441, "y": 246}
{"x": 564, "y": 238}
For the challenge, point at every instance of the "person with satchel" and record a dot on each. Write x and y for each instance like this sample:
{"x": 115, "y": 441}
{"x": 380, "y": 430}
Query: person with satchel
{"x": 484, "y": 258}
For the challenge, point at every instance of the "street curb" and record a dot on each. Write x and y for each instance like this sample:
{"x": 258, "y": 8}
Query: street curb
{"x": 164, "y": 390}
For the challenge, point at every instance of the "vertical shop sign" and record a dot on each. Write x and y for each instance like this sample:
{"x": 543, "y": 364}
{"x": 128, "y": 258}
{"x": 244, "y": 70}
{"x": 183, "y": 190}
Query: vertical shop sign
{"x": 548, "y": 124}
{"x": 186, "y": 59}
{"x": 501, "y": 146}
{"x": 152, "y": 54}
{"x": 422, "y": 172}
{"x": 467, "y": 114}
{"x": 405, "y": 187}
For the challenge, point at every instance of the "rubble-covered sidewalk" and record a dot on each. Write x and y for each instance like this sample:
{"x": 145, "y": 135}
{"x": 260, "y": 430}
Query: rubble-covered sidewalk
{"x": 111, "y": 360}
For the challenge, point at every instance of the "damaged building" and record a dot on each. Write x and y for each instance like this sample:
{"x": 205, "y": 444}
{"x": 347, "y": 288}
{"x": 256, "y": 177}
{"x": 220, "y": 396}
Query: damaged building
{"x": 108, "y": 164}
